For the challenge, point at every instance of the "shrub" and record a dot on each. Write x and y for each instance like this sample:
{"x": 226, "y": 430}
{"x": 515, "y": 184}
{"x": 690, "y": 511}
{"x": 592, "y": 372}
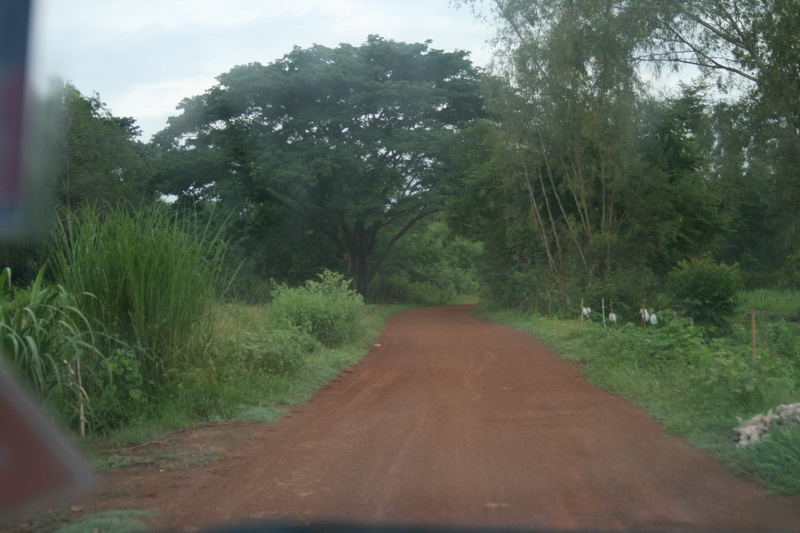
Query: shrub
{"x": 705, "y": 291}
{"x": 286, "y": 351}
{"x": 279, "y": 351}
{"x": 429, "y": 266}
{"x": 390, "y": 288}
{"x": 327, "y": 309}
{"x": 118, "y": 390}
{"x": 791, "y": 272}
{"x": 396, "y": 287}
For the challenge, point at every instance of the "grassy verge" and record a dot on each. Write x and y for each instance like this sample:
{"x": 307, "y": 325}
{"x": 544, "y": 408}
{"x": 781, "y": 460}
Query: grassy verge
{"x": 120, "y": 521}
{"x": 695, "y": 387}
{"x": 227, "y": 388}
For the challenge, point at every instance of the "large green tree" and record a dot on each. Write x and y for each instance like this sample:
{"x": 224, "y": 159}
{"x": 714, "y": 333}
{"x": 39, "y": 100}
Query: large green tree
{"x": 354, "y": 141}
{"x": 100, "y": 159}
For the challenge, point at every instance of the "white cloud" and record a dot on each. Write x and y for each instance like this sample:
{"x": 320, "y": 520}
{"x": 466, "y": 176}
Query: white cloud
{"x": 151, "y": 103}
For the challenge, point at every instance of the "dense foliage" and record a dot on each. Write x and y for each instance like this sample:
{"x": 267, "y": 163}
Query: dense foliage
{"x": 101, "y": 160}
{"x": 591, "y": 186}
{"x": 351, "y": 143}
{"x": 430, "y": 266}
{"x": 147, "y": 274}
{"x": 705, "y": 292}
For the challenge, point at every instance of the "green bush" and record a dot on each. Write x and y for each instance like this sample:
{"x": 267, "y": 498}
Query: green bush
{"x": 119, "y": 389}
{"x": 397, "y": 287}
{"x": 782, "y": 341}
{"x": 390, "y": 288}
{"x": 282, "y": 351}
{"x": 705, "y": 291}
{"x": 327, "y": 309}
{"x": 429, "y": 266}
{"x": 791, "y": 272}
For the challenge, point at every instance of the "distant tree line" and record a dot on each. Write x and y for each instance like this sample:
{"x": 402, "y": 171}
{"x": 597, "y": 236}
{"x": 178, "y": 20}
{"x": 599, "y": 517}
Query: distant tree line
{"x": 577, "y": 178}
{"x": 590, "y": 183}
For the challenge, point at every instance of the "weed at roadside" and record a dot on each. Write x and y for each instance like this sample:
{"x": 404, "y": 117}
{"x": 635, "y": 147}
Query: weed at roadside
{"x": 232, "y": 389}
{"x": 774, "y": 460}
{"x": 118, "y": 521}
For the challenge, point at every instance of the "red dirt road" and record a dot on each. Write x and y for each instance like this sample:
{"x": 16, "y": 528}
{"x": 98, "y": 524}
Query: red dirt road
{"x": 453, "y": 421}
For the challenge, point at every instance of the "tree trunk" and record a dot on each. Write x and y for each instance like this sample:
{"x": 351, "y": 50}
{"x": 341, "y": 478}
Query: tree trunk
{"x": 361, "y": 273}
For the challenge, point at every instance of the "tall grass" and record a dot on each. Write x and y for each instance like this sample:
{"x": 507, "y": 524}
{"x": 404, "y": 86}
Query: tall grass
{"x": 771, "y": 300}
{"x": 48, "y": 341}
{"x": 254, "y": 373}
{"x": 775, "y": 461}
{"x": 146, "y": 275}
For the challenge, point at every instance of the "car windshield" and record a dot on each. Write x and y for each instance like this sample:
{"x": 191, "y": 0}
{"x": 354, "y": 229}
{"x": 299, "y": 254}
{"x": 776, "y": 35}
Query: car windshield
{"x": 440, "y": 264}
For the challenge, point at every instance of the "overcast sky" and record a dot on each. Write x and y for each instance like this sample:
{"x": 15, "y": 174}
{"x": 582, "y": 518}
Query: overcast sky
{"x": 144, "y": 56}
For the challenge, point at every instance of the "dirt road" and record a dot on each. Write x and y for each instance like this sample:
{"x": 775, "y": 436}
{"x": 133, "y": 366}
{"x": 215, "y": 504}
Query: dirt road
{"x": 452, "y": 421}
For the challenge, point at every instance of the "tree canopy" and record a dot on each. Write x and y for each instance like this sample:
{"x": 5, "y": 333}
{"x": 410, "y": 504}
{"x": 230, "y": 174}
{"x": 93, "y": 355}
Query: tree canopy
{"x": 101, "y": 158}
{"x": 578, "y": 177}
{"x": 594, "y": 184}
{"x": 354, "y": 141}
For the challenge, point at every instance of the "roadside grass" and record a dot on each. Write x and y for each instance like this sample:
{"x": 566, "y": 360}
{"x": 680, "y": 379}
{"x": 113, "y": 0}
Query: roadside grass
{"x": 61, "y": 520}
{"x": 118, "y": 521}
{"x": 228, "y": 387}
{"x": 166, "y": 353}
{"x": 695, "y": 387}
{"x": 769, "y": 461}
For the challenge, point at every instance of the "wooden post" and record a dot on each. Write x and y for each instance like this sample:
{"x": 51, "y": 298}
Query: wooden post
{"x": 604, "y": 312}
{"x": 753, "y": 322}
{"x": 581, "y": 310}
{"x": 81, "y": 414}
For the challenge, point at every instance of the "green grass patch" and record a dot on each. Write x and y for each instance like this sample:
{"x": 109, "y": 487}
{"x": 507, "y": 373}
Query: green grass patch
{"x": 118, "y": 521}
{"x": 771, "y": 459}
{"x": 771, "y": 300}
